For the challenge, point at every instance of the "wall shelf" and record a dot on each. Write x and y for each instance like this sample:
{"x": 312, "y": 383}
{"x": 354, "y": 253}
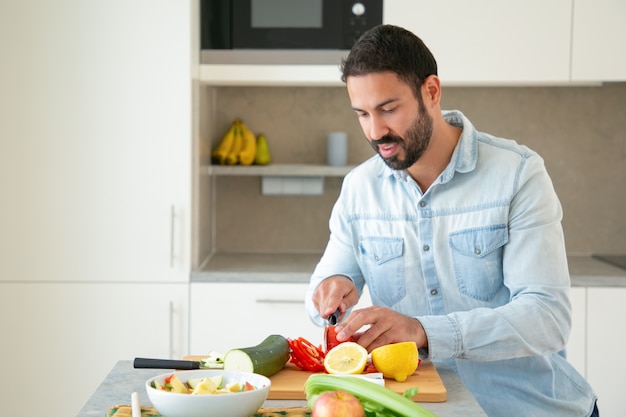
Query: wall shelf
{"x": 277, "y": 170}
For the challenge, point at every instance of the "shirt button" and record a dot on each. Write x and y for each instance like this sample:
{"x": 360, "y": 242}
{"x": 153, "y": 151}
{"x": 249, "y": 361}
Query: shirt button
{"x": 422, "y": 203}
{"x": 477, "y": 251}
{"x": 426, "y": 248}
{"x": 433, "y": 292}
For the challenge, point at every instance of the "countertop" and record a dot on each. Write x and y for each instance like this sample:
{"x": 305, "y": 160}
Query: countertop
{"x": 585, "y": 271}
{"x": 123, "y": 380}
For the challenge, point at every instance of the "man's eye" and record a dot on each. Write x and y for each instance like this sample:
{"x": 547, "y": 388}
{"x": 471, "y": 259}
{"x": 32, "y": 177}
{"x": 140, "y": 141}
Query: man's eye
{"x": 388, "y": 110}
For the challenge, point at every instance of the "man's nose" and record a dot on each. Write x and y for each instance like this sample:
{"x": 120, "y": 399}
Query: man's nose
{"x": 377, "y": 128}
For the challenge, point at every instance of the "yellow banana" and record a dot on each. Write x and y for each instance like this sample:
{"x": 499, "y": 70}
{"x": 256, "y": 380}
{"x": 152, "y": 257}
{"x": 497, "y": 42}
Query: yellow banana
{"x": 233, "y": 155}
{"x": 221, "y": 151}
{"x": 248, "y": 147}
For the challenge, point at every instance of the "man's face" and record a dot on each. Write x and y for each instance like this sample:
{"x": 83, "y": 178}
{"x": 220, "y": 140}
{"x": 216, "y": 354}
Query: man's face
{"x": 395, "y": 123}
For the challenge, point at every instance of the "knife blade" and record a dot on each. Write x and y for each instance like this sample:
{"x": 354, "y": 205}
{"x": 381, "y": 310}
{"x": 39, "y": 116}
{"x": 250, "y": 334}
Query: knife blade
{"x": 334, "y": 318}
{"x": 167, "y": 364}
{"x": 330, "y": 339}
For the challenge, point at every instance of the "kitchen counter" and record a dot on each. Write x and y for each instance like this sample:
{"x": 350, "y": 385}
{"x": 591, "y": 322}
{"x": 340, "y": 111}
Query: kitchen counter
{"x": 585, "y": 271}
{"x": 123, "y": 380}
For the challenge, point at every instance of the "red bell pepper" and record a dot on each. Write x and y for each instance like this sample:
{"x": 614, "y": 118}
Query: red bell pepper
{"x": 305, "y": 355}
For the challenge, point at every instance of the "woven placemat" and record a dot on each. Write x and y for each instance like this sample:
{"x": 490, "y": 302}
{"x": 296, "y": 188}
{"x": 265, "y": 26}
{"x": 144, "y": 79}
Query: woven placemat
{"x": 125, "y": 411}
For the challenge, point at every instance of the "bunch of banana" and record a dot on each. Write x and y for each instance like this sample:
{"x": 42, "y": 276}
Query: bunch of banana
{"x": 221, "y": 151}
{"x": 238, "y": 146}
{"x": 248, "y": 145}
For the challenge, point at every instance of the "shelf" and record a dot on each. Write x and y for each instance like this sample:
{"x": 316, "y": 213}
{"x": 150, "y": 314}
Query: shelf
{"x": 277, "y": 170}
{"x": 252, "y": 267}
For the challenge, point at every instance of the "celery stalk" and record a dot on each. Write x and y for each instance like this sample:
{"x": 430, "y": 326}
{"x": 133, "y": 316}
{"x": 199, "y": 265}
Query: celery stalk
{"x": 376, "y": 400}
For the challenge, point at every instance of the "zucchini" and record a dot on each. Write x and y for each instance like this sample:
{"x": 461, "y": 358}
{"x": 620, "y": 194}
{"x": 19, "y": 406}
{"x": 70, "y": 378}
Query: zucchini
{"x": 266, "y": 358}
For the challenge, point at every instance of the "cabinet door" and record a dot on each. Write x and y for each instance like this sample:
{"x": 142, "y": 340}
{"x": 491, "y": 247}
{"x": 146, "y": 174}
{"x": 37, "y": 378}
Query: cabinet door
{"x": 225, "y": 316}
{"x": 598, "y": 35}
{"x": 606, "y": 344}
{"x": 491, "y": 41}
{"x": 95, "y": 151}
{"x": 577, "y": 344}
{"x": 61, "y": 340}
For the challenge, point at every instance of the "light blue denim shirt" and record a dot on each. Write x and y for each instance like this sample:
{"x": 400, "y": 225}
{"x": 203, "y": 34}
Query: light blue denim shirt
{"x": 479, "y": 259}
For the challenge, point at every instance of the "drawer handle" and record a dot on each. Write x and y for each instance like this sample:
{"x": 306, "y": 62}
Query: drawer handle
{"x": 277, "y": 301}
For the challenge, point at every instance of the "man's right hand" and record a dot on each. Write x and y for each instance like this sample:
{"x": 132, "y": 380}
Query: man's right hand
{"x": 336, "y": 292}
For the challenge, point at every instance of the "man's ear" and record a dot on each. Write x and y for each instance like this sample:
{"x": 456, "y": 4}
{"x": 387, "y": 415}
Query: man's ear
{"x": 432, "y": 90}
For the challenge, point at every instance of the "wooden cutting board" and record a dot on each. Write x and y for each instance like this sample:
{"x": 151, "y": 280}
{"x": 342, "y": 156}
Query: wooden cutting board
{"x": 288, "y": 383}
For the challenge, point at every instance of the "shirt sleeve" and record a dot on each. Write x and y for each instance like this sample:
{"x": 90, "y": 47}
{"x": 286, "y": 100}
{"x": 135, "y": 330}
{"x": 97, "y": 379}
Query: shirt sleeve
{"x": 338, "y": 258}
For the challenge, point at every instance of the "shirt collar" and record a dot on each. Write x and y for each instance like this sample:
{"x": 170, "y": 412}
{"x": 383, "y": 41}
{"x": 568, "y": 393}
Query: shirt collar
{"x": 465, "y": 154}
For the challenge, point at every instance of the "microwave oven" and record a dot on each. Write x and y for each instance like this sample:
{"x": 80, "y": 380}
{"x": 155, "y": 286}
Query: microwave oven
{"x": 286, "y": 24}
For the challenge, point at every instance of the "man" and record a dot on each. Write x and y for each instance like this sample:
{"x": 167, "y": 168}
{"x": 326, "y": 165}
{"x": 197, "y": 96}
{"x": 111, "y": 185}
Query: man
{"x": 458, "y": 236}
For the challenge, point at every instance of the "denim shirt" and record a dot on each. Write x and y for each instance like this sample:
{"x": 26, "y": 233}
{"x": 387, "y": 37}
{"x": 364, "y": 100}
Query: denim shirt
{"x": 478, "y": 258}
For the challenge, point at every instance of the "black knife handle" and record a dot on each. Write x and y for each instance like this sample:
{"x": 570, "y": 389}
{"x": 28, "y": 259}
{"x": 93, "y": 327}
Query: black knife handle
{"x": 165, "y": 364}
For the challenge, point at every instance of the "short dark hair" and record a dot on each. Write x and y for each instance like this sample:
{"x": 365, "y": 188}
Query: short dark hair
{"x": 390, "y": 48}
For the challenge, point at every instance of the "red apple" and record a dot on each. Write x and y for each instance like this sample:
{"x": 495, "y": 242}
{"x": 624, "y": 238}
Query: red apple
{"x": 337, "y": 404}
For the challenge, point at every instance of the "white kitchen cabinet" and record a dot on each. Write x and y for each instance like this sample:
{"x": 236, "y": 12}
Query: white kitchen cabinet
{"x": 606, "y": 344}
{"x": 95, "y": 156}
{"x": 597, "y": 40}
{"x": 59, "y": 340}
{"x": 577, "y": 344}
{"x": 229, "y": 315}
{"x": 490, "y": 41}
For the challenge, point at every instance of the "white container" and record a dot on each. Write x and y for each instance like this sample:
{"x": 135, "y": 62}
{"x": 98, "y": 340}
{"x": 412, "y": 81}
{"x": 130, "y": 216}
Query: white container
{"x": 337, "y": 149}
{"x": 236, "y": 404}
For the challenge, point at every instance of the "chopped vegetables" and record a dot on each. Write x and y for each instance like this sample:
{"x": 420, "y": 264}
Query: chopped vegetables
{"x": 305, "y": 355}
{"x": 196, "y": 386}
{"x": 214, "y": 360}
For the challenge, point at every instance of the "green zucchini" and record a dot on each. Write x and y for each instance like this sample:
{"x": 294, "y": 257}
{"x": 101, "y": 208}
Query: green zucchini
{"x": 266, "y": 358}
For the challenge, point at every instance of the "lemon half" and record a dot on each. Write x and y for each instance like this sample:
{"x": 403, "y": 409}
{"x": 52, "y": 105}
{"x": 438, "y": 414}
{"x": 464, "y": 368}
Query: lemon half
{"x": 397, "y": 360}
{"x": 346, "y": 358}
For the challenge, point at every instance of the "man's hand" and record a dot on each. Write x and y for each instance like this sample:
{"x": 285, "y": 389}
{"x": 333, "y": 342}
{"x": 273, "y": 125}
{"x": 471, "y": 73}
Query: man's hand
{"x": 335, "y": 292}
{"x": 385, "y": 327}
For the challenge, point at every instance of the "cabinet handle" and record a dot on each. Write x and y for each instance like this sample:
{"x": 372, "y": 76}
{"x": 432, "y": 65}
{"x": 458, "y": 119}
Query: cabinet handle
{"x": 171, "y": 330}
{"x": 277, "y": 301}
{"x": 172, "y": 227}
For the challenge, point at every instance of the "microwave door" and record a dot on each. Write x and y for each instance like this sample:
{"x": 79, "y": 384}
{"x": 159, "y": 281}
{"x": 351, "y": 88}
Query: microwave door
{"x": 287, "y": 24}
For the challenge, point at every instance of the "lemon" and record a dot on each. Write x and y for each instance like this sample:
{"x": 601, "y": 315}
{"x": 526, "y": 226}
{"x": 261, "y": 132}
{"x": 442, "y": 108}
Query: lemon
{"x": 346, "y": 358}
{"x": 397, "y": 360}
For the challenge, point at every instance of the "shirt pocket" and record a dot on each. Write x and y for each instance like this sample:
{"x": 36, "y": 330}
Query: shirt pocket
{"x": 383, "y": 262}
{"x": 477, "y": 260}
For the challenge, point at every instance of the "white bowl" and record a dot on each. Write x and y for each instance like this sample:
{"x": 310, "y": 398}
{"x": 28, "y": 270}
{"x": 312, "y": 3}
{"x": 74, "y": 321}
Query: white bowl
{"x": 236, "y": 404}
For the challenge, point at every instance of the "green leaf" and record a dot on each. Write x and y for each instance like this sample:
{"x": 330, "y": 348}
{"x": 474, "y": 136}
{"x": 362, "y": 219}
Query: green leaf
{"x": 410, "y": 392}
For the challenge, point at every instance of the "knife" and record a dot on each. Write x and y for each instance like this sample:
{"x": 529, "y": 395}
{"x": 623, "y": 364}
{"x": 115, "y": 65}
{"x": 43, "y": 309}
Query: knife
{"x": 167, "y": 364}
{"x": 330, "y": 339}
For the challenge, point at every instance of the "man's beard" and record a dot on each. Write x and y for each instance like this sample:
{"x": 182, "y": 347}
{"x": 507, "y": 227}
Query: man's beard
{"x": 416, "y": 143}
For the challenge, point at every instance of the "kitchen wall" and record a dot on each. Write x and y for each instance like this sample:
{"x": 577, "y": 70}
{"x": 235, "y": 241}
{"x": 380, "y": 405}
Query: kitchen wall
{"x": 578, "y": 130}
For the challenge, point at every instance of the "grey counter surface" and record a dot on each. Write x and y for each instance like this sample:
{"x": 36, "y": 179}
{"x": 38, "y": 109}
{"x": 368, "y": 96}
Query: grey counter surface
{"x": 585, "y": 271}
{"x": 123, "y": 380}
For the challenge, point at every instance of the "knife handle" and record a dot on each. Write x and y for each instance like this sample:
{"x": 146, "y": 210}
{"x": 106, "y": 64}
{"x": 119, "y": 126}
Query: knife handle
{"x": 165, "y": 364}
